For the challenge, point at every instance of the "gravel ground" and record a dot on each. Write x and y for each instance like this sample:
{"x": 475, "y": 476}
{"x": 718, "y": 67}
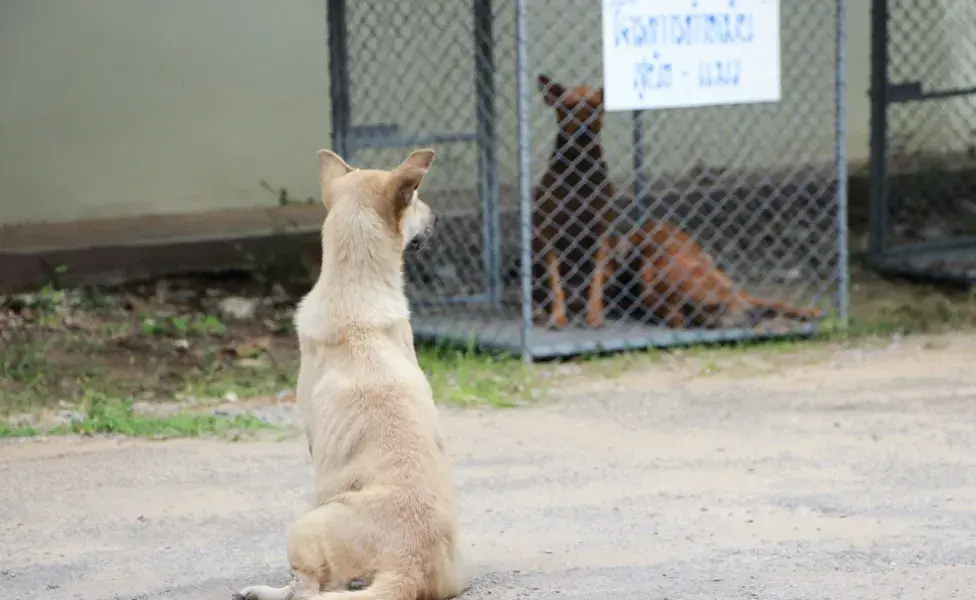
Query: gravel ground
{"x": 852, "y": 476}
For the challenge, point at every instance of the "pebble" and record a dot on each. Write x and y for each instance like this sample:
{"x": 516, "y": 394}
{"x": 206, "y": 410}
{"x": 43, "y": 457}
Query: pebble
{"x": 235, "y": 307}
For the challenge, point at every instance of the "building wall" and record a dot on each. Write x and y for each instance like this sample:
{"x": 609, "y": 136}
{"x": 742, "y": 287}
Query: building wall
{"x": 124, "y": 107}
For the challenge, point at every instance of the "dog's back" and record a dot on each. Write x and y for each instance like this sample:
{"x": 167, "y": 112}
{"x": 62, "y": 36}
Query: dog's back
{"x": 361, "y": 398}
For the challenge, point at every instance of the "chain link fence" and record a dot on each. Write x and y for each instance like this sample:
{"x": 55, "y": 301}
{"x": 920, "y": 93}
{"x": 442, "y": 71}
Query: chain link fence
{"x": 565, "y": 228}
{"x": 923, "y": 131}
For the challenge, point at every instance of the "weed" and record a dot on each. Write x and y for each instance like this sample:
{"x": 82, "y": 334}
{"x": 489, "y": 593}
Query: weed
{"x": 151, "y": 326}
{"x": 208, "y": 324}
{"x": 284, "y": 198}
{"x": 467, "y": 377}
{"x": 23, "y": 363}
{"x": 181, "y": 325}
{"x": 110, "y": 416}
{"x": 246, "y": 382}
{"x": 14, "y": 431}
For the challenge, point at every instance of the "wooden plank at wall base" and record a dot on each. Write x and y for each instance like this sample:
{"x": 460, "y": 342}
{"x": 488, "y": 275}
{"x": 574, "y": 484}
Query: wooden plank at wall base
{"x": 116, "y": 264}
{"x": 111, "y": 251}
{"x": 215, "y": 224}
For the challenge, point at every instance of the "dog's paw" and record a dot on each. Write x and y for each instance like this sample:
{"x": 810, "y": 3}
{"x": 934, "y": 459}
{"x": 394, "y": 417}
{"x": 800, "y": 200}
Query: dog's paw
{"x": 264, "y": 592}
{"x": 558, "y": 322}
{"x": 357, "y": 584}
{"x": 249, "y": 593}
{"x": 595, "y": 322}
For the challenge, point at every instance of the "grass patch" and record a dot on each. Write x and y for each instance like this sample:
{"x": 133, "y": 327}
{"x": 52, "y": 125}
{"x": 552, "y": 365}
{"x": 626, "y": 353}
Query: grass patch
{"x": 23, "y": 365}
{"x": 16, "y": 431}
{"x": 242, "y": 382}
{"x": 103, "y": 415}
{"x": 467, "y": 377}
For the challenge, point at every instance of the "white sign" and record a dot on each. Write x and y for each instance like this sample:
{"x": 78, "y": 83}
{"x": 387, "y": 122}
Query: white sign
{"x": 677, "y": 53}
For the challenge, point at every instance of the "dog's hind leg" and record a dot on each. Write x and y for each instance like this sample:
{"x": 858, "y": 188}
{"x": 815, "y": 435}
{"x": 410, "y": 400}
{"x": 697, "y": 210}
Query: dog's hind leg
{"x": 265, "y": 592}
{"x": 386, "y": 586}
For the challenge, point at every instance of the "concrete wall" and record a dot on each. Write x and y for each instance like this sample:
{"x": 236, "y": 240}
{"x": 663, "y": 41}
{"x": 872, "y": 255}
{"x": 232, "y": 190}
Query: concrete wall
{"x": 125, "y": 107}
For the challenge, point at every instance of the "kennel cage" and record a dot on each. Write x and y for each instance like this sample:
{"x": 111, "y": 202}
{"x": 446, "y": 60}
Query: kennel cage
{"x": 754, "y": 186}
{"x": 923, "y": 140}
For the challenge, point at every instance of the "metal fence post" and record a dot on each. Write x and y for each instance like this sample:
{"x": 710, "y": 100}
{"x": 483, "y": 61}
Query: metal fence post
{"x": 524, "y": 174}
{"x": 843, "y": 272}
{"x": 336, "y": 26}
{"x": 877, "y": 237}
{"x": 640, "y": 176}
{"x": 487, "y": 156}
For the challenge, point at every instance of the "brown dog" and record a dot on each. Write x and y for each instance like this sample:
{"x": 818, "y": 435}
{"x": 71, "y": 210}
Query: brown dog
{"x": 681, "y": 284}
{"x": 573, "y": 221}
{"x": 384, "y": 525}
{"x": 572, "y": 207}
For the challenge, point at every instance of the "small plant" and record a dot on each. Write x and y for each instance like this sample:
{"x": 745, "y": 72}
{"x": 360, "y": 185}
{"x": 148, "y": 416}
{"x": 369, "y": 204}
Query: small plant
{"x": 181, "y": 325}
{"x": 15, "y": 431}
{"x": 209, "y": 324}
{"x": 49, "y": 298}
{"x": 284, "y": 198}
{"x": 151, "y": 326}
{"x": 104, "y": 415}
{"x": 22, "y": 363}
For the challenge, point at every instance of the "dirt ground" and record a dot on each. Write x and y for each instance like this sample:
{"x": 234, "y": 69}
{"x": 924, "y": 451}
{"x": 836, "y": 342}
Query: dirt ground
{"x": 848, "y": 476}
{"x": 212, "y": 336}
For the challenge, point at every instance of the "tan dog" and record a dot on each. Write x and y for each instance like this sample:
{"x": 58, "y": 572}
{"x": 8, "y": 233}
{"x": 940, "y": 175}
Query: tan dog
{"x": 385, "y": 521}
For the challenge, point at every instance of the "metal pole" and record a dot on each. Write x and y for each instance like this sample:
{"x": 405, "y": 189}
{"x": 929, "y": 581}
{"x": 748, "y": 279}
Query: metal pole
{"x": 335, "y": 19}
{"x": 877, "y": 243}
{"x": 524, "y": 174}
{"x": 840, "y": 151}
{"x": 640, "y": 181}
{"x": 484, "y": 82}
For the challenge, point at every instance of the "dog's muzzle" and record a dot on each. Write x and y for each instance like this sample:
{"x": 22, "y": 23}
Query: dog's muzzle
{"x": 422, "y": 239}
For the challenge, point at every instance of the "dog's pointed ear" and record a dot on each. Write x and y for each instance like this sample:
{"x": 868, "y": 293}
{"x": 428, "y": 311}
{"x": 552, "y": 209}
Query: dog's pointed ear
{"x": 552, "y": 92}
{"x": 331, "y": 167}
{"x": 407, "y": 176}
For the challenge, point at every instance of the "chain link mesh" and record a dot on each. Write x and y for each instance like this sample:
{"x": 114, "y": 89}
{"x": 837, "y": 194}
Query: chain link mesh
{"x": 714, "y": 216}
{"x": 931, "y": 155}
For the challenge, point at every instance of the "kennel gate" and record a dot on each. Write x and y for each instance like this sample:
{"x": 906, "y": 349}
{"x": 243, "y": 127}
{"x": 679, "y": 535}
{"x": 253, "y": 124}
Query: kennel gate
{"x": 461, "y": 77}
{"x": 923, "y": 139}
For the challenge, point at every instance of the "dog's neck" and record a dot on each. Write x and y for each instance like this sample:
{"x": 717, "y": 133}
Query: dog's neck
{"x": 578, "y": 160}
{"x": 580, "y": 152}
{"x": 360, "y": 283}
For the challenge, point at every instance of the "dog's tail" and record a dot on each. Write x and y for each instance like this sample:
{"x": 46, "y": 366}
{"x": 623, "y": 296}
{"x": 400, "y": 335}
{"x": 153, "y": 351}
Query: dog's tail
{"x": 786, "y": 310}
{"x": 385, "y": 586}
